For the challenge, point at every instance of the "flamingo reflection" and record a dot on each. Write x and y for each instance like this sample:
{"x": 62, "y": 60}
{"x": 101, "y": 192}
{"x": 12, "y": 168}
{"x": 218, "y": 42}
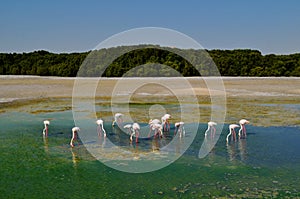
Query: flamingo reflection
{"x": 46, "y": 147}
{"x": 75, "y": 158}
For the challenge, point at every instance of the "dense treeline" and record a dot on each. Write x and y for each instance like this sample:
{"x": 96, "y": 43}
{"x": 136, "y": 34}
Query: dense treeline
{"x": 186, "y": 62}
{"x": 41, "y": 63}
{"x": 253, "y": 63}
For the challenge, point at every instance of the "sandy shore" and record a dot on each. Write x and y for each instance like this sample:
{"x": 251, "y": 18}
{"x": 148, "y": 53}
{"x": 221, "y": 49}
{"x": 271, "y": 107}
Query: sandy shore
{"x": 30, "y": 87}
{"x": 244, "y": 95}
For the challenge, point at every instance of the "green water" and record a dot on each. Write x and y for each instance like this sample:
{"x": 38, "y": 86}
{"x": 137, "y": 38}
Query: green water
{"x": 265, "y": 165}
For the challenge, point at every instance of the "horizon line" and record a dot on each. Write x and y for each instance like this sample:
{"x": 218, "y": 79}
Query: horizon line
{"x": 86, "y": 51}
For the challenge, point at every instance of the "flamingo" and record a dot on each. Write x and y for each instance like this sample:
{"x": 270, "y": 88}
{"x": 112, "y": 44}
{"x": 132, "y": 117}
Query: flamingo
{"x": 157, "y": 129}
{"x": 165, "y": 122}
{"x": 179, "y": 128}
{"x": 232, "y": 131}
{"x": 211, "y": 128}
{"x": 135, "y": 131}
{"x": 74, "y": 135}
{"x": 151, "y": 125}
{"x": 45, "y": 130}
{"x": 129, "y": 127}
{"x": 118, "y": 119}
{"x": 242, "y": 131}
{"x": 100, "y": 127}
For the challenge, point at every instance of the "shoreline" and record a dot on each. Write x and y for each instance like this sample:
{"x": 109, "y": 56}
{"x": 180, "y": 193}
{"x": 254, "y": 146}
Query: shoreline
{"x": 246, "y": 97}
{"x": 31, "y": 87}
{"x": 190, "y": 77}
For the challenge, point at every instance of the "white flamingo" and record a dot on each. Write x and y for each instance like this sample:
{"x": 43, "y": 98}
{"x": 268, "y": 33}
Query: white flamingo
{"x": 165, "y": 122}
{"x": 74, "y": 135}
{"x": 100, "y": 127}
{"x": 157, "y": 130}
{"x": 135, "y": 131}
{"x": 129, "y": 127}
{"x": 242, "y": 131}
{"x": 151, "y": 125}
{"x": 232, "y": 131}
{"x": 179, "y": 128}
{"x": 118, "y": 119}
{"x": 211, "y": 128}
{"x": 45, "y": 130}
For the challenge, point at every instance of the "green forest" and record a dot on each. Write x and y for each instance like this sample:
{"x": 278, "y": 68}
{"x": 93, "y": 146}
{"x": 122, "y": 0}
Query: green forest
{"x": 147, "y": 60}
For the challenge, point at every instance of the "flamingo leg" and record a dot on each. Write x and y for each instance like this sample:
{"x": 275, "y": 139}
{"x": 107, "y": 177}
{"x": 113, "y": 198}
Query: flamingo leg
{"x": 180, "y": 132}
{"x": 47, "y": 131}
{"x": 149, "y": 133}
{"x": 155, "y": 133}
{"x": 72, "y": 139}
{"x": 241, "y": 133}
{"x": 244, "y": 131}
{"x": 131, "y": 136}
{"x": 99, "y": 130}
{"x": 158, "y": 133}
{"x": 233, "y": 135}
{"x": 137, "y": 136}
{"x": 176, "y": 130}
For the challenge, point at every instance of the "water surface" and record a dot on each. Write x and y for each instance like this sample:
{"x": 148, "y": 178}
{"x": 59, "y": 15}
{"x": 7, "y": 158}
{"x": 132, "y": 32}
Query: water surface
{"x": 266, "y": 164}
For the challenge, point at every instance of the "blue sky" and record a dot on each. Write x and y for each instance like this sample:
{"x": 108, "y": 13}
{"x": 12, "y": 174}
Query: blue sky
{"x": 77, "y": 26}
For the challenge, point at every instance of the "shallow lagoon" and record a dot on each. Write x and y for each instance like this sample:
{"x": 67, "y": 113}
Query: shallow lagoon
{"x": 266, "y": 164}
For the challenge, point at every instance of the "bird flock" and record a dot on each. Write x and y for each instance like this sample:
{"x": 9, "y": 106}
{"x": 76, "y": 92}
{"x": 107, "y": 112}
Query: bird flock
{"x": 157, "y": 127}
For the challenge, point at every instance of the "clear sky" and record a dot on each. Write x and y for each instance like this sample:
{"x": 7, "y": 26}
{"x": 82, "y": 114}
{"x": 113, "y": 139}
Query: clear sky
{"x": 76, "y": 26}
